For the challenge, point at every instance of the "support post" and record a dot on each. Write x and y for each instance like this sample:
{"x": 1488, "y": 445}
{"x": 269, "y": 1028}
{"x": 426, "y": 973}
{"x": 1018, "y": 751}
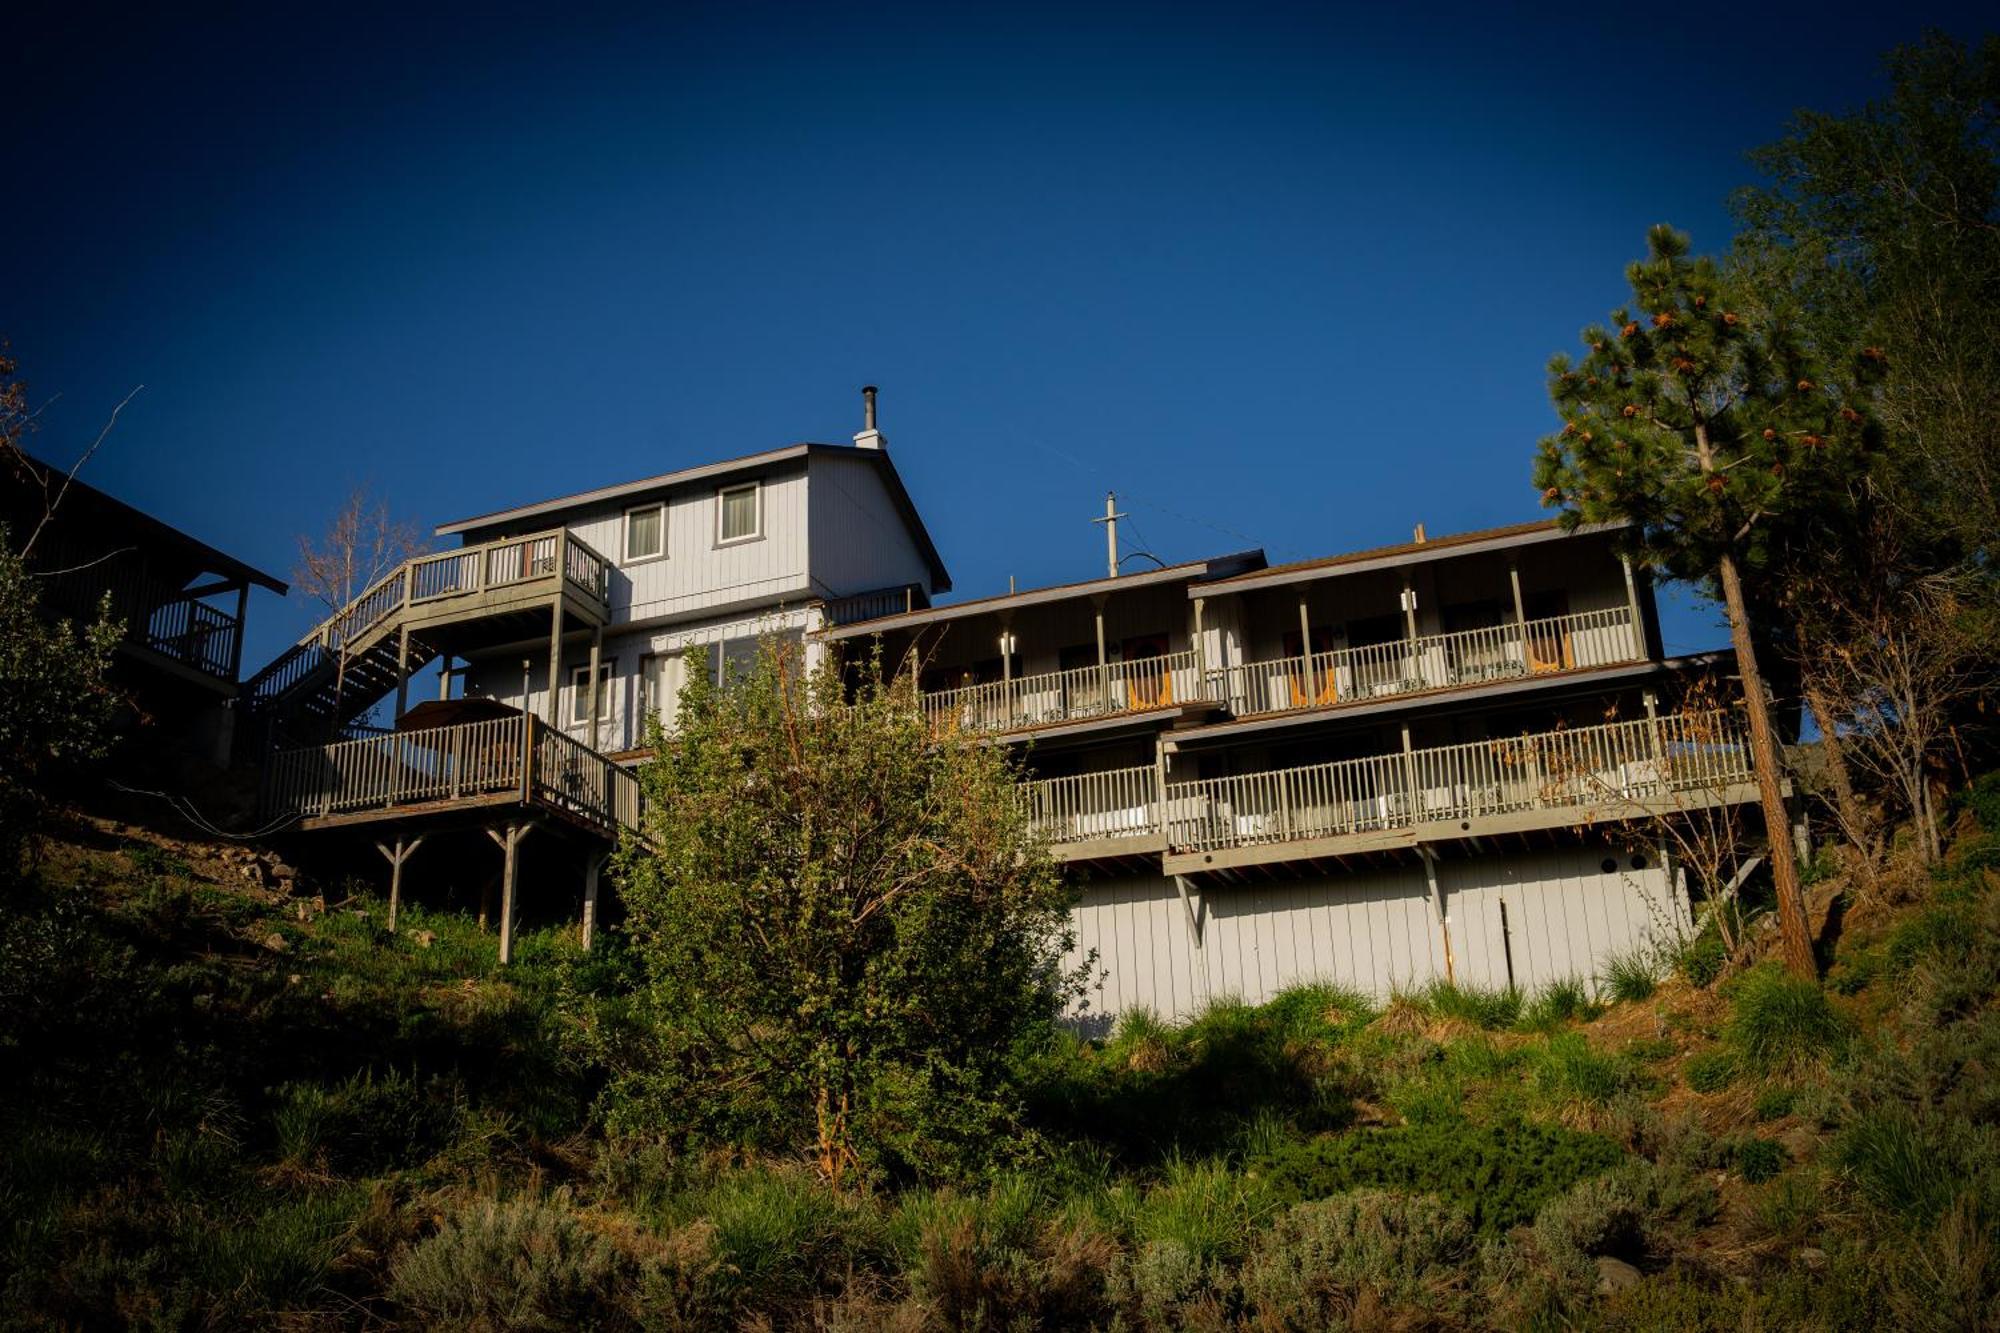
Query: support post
{"x": 1305, "y": 634}
{"x": 1429, "y": 856}
{"x": 1103, "y": 663}
{"x": 236, "y": 648}
{"x": 508, "y": 838}
{"x": 403, "y": 671}
{"x": 1200, "y": 650}
{"x": 1191, "y": 906}
{"x": 404, "y": 849}
{"x": 1520, "y": 611}
{"x": 1638, "y": 628}
{"x": 555, "y": 664}
{"x": 444, "y": 677}
{"x": 1414, "y": 799}
{"x": 596, "y": 656}
{"x": 593, "y": 867}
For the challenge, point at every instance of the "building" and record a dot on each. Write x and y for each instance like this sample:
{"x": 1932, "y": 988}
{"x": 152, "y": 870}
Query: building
{"x": 633, "y": 587}
{"x": 1422, "y": 762}
{"x": 1383, "y": 768}
{"x": 182, "y": 603}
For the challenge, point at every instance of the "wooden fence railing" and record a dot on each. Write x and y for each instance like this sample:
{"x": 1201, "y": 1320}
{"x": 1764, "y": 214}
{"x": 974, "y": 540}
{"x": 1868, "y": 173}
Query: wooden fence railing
{"x": 1618, "y": 762}
{"x": 440, "y": 765}
{"x": 1117, "y": 803}
{"x": 1064, "y": 696}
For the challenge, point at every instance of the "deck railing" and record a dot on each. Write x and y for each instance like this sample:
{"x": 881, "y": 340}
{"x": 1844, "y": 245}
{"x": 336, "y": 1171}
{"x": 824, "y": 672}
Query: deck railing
{"x": 445, "y": 764}
{"x": 1067, "y": 696}
{"x": 155, "y": 614}
{"x": 1619, "y": 762}
{"x": 1432, "y": 662}
{"x": 856, "y": 607}
{"x": 1117, "y": 803}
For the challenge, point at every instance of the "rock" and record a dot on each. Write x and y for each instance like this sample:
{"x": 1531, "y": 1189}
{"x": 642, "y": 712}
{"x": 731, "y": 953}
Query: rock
{"x": 1615, "y": 1275}
{"x": 1812, "y": 1258}
{"x": 276, "y": 942}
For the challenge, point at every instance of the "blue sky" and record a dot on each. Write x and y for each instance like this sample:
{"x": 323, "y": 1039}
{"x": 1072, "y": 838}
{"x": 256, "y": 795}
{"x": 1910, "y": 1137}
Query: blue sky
{"x": 1280, "y": 275}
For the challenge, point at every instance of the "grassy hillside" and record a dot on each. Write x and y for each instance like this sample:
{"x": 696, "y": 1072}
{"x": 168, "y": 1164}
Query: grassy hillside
{"x": 232, "y": 1100}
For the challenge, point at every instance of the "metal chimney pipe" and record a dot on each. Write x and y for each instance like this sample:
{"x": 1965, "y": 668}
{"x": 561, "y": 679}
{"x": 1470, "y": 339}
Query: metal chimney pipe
{"x": 867, "y": 407}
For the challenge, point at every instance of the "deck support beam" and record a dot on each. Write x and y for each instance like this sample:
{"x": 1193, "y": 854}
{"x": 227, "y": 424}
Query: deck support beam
{"x": 508, "y": 838}
{"x": 555, "y": 662}
{"x": 593, "y": 868}
{"x": 1191, "y": 906}
{"x": 1430, "y": 857}
{"x": 1520, "y": 609}
{"x": 402, "y": 671}
{"x": 444, "y": 678}
{"x": 596, "y": 655}
{"x": 1638, "y": 630}
{"x": 1103, "y": 661}
{"x": 403, "y": 850}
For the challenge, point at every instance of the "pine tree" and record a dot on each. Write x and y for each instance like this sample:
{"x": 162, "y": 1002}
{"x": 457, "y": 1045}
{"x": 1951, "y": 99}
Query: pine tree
{"x": 1700, "y": 420}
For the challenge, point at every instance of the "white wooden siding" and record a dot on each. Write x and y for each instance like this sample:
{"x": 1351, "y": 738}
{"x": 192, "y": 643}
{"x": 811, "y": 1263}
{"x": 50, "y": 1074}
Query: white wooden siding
{"x": 859, "y": 539}
{"x": 1374, "y": 931}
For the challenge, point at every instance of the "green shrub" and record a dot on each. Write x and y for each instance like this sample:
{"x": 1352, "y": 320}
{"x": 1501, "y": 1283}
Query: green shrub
{"x": 782, "y": 1232}
{"x": 1494, "y": 1009}
{"x": 1774, "y": 1103}
{"x": 998, "y": 1260}
{"x": 1982, "y": 799}
{"x": 1569, "y": 1068}
{"x": 366, "y": 1123}
{"x": 1701, "y": 959}
{"x": 278, "y": 1260}
{"x": 1306, "y": 1270}
{"x": 1561, "y": 1001}
{"x": 1631, "y": 976}
{"x": 1624, "y": 1213}
{"x": 1758, "y": 1160}
{"x": 1499, "y": 1173}
{"x": 522, "y": 1263}
{"x": 1204, "y": 1207}
{"x": 1782, "y": 1021}
{"x": 1710, "y": 1071}
{"x": 1903, "y": 1162}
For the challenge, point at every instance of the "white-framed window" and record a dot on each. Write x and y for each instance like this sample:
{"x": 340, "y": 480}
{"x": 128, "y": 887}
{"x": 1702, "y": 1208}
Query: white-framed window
{"x": 739, "y": 513}
{"x": 579, "y": 693}
{"x": 646, "y": 531}
{"x": 662, "y": 676}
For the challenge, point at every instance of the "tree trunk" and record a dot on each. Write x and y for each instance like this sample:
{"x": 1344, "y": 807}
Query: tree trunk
{"x": 1853, "y": 822}
{"x": 1764, "y": 758}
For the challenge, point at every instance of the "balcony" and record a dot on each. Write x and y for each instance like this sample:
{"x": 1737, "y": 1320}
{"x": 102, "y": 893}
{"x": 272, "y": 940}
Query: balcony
{"x": 1435, "y": 662}
{"x": 1082, "y": 694}
{"x": 1614, "y": 771}
{"x": 156, "y": 616}
{"x": 444, "y": 770}
{"x": 1116, "y": 812}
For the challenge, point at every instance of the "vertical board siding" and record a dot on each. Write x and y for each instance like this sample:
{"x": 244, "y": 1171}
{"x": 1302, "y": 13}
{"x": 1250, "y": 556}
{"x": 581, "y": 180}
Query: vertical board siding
{"x": 859, "y": 539}
{"x": 1374, "y": 931}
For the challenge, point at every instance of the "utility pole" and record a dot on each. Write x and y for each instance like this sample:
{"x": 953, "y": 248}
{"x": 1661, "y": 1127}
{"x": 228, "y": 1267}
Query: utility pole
{"x": 1110, "y": 522}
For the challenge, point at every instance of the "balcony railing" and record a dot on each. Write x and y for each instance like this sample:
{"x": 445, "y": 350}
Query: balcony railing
{"x": 1069, "y": 696}
{"x": 156, "y": 615}
{"x": 1117, "y": 803}
{"x": 442, "y": 765}
{"x": 1437, "y": 661}
{"x": 1621, "y": 763}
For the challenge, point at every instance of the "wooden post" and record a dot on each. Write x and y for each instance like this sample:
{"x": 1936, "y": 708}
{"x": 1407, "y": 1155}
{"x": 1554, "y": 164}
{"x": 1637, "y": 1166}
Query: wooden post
{"x": 555, "y": 662}
{"x": 508, "y": 839}
{"x": 1638, "y": 629}
{"x": 1305, "y": 635}
{"x": 1410, "y": 777}
{"x": 242, "y": 610}
{"x": 593, "y": 866}
{"x": 596, "y": 655}
{"x": 405, "y": 848}
{"x": 444, "y": 678}
{"x": 1520, "y": 610}
{"x": 1103, "y": 661}
{"x": 403, "y": 671}
{"x": 1438, "y": 905}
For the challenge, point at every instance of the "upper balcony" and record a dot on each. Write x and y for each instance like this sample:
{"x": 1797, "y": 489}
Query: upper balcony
{"x": 1484, "y": 656}
{"x": 1077, "y": 695}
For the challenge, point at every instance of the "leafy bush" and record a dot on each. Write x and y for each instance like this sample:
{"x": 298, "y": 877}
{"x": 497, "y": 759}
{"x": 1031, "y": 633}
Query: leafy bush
{"x": 1632, "y": 975}
{"x": 1501, "y": 1174}
{"x": 1307, "y": 1269}
{"x": 1710, "y": 1071}
{"x": 1780, "y": 1020}
{"x": 1624, "y": 1213}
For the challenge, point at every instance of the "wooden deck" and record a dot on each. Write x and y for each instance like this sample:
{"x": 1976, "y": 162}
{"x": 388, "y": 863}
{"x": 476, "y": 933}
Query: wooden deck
{"x": 448, "y": 771}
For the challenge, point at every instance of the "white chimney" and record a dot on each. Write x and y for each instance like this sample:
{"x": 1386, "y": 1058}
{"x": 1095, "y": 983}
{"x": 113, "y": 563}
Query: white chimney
{"x": 869, "y": 438}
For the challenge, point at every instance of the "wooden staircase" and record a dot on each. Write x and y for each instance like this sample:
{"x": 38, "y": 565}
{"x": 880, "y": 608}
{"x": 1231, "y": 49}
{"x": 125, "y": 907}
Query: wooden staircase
{"x": 308, "y": 693}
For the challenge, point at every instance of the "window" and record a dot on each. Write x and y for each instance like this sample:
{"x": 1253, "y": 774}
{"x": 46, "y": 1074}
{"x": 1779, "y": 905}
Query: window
{"x": 662, "y": 677}
{"x": 737, "y": 518}
{"x": 579, "y": 694}
{"x": 645, "y": 532}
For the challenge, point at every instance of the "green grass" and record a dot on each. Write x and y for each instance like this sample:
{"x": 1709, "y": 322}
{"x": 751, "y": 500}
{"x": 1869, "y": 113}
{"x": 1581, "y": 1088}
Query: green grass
{"x": 1781, "y": 1021}
{"x": 1631, "y": 976}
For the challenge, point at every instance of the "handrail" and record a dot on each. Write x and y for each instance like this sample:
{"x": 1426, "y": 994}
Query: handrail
{"x": 1115, "y": 803}
{"x": 1643, "y": 760}
{"x": 155, "y": 614}
{"x": 1057, "y": 696}
{"x": 1430, "y": 662}
{"x": 469, "y": 759}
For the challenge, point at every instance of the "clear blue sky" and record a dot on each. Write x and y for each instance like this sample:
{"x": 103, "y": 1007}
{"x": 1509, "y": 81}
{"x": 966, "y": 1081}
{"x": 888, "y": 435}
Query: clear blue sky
{"x": 1282, "y": 275}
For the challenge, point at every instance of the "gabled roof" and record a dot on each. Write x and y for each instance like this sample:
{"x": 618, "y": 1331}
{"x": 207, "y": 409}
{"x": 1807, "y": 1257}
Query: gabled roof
{"x": 707, "y": 472}
{"x": 1402, "y": 553}
{"x": 127, "y": 520}
{"x": 1186, "y": 572}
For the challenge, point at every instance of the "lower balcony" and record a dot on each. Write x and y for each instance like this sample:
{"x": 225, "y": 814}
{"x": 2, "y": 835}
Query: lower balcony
{"x": 1608, "y": 773}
